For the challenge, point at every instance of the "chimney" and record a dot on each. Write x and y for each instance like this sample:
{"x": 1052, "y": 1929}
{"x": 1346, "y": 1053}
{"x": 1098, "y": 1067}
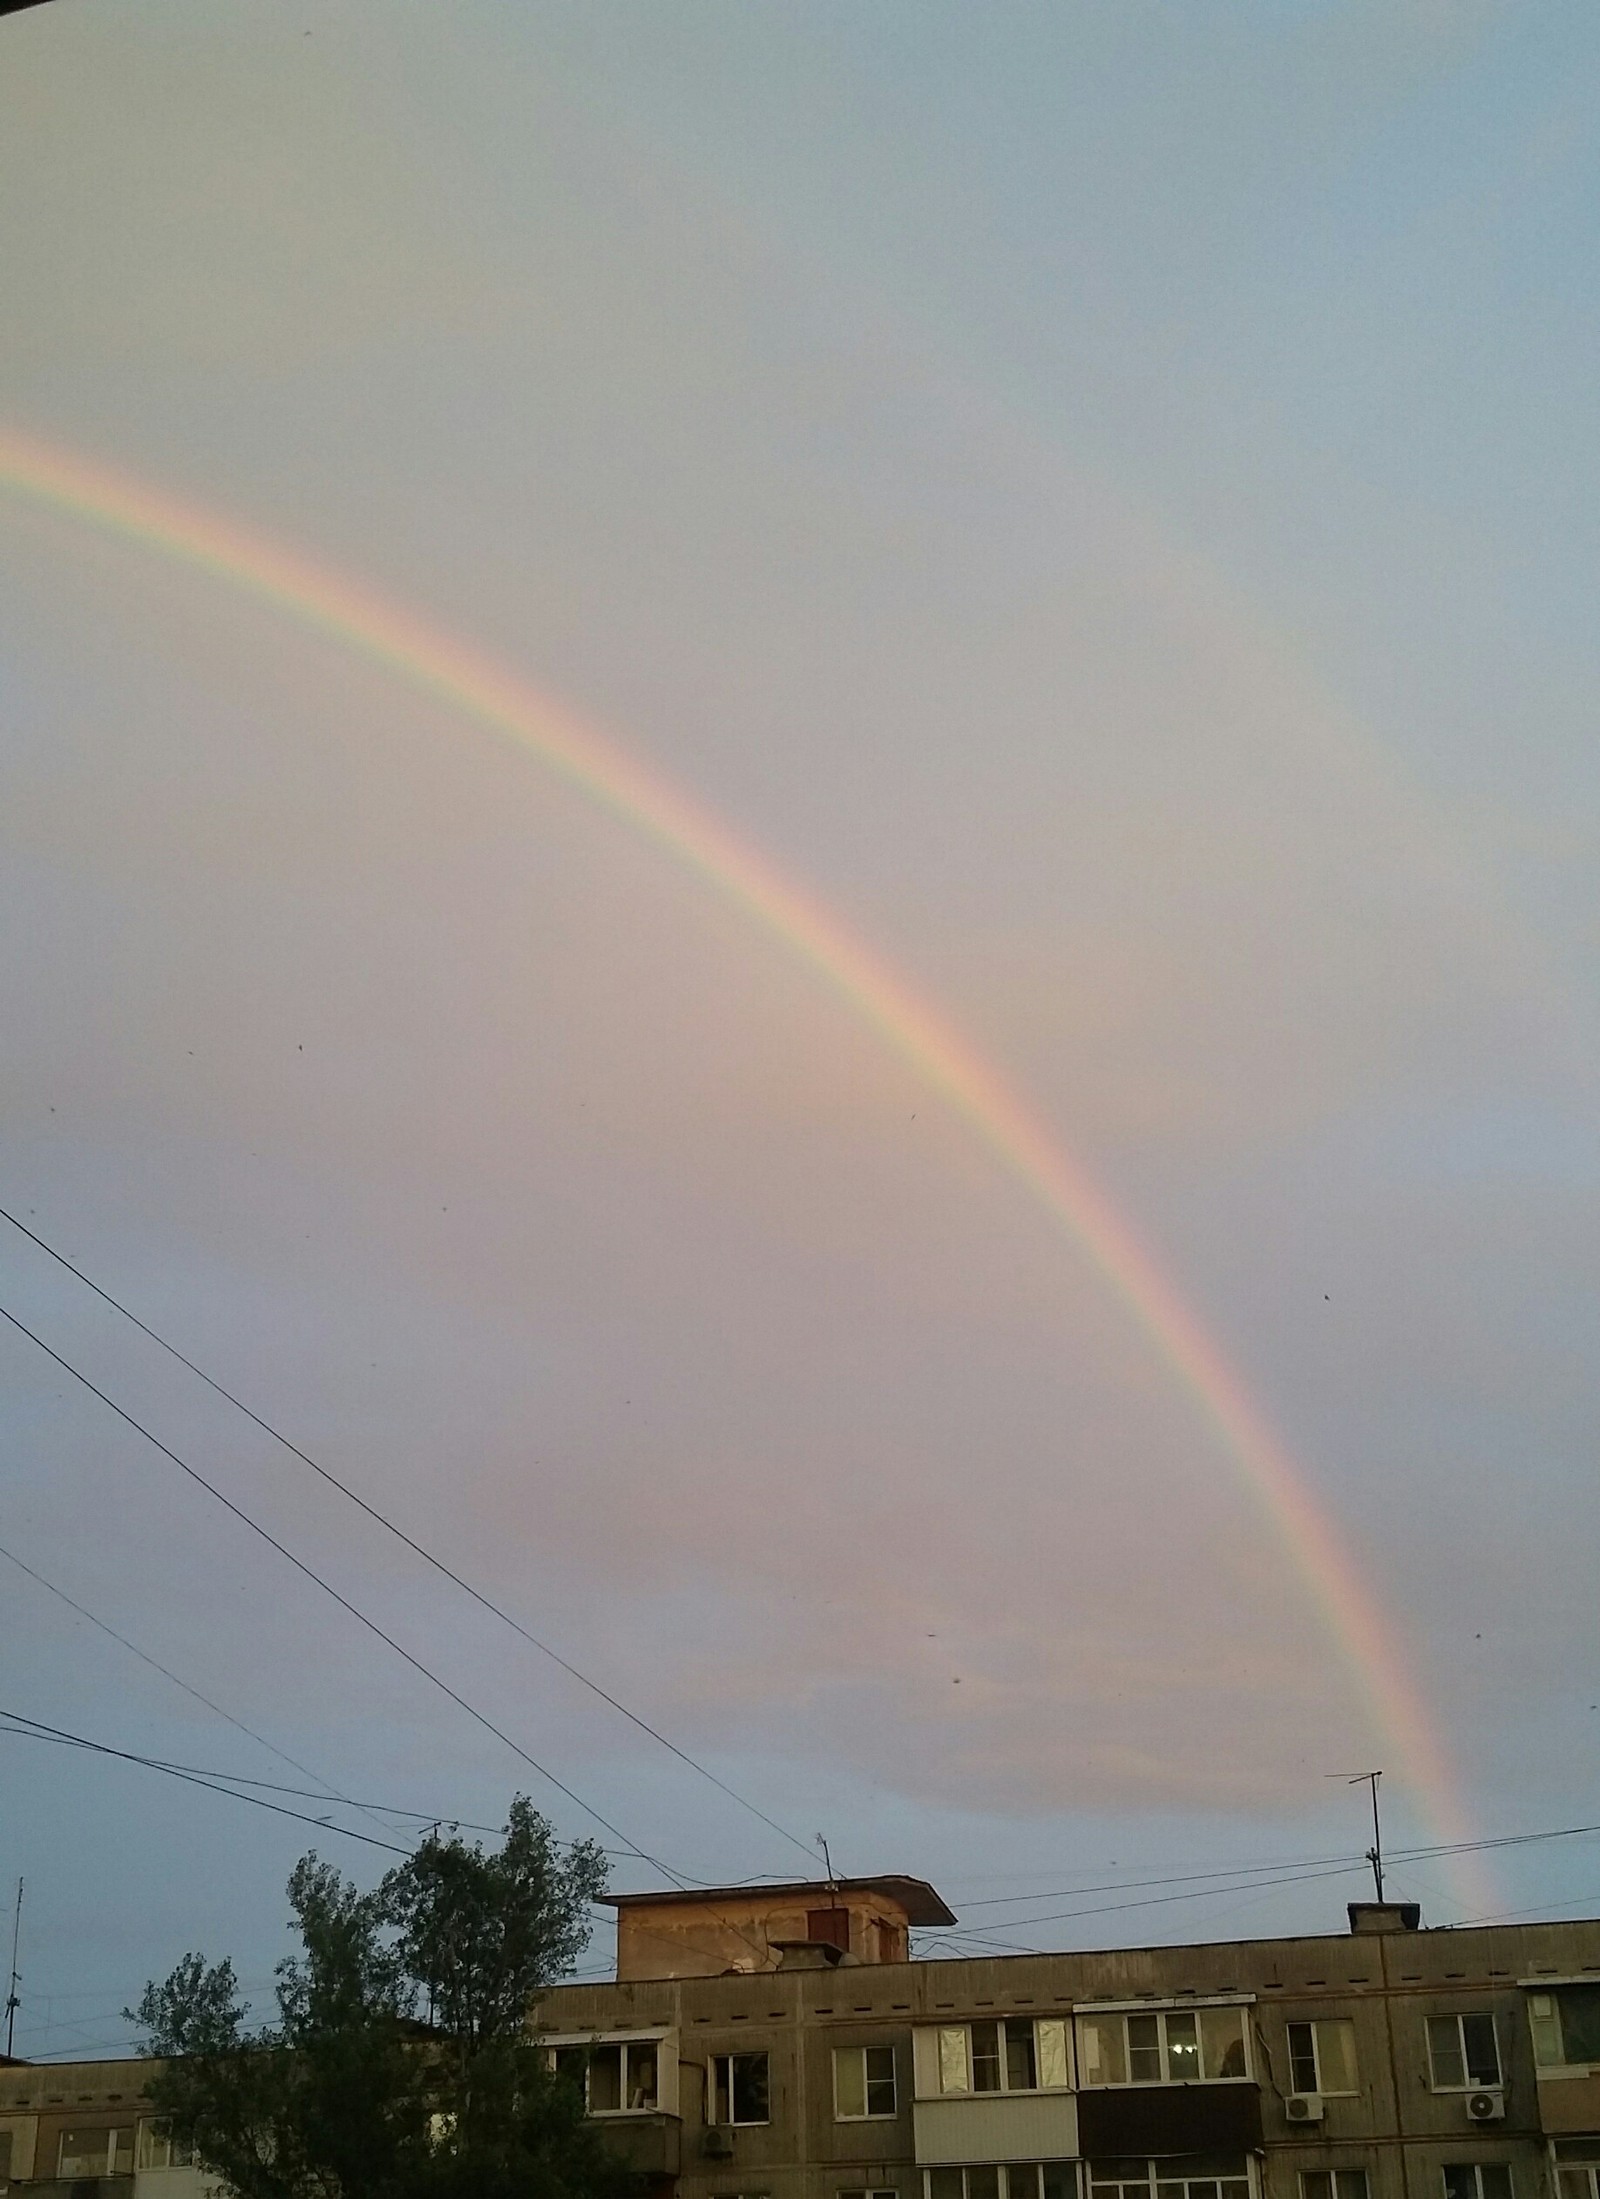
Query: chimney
{"x": 1385, "y": 1916}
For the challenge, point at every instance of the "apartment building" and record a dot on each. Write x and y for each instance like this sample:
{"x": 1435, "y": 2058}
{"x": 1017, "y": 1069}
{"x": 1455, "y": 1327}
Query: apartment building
{"x": 85, "y": 2130}
{"x": 778, "y": 2045}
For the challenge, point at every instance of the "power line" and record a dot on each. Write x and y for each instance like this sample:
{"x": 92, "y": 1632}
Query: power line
{"x": 1288, "y": 1865}
{"x": 34, "y": 1729}
{"x": 323, "y": 1786}
{"x": 1199, "y": 1893}
{"x": 428, "y": 1557}
{"x": 328, "y": 1589}
{"x": 1512, "y": 1916}
{"x": 1183, "y": 1878}
{"x": 304, "y": 1794}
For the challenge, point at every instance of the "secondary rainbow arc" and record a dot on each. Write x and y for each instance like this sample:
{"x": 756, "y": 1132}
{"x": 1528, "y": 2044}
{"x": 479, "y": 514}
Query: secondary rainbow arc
{"x": 439, "y": 664}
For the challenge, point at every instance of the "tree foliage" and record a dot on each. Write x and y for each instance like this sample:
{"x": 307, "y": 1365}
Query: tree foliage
{"x": 400, "y": 2065}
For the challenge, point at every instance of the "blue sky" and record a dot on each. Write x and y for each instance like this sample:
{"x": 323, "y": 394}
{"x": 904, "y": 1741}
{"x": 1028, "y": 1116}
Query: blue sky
{"x": 1106, "y": 495}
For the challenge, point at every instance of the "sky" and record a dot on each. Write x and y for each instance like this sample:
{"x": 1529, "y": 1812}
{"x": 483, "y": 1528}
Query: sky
{"x": 1100, "y": 497}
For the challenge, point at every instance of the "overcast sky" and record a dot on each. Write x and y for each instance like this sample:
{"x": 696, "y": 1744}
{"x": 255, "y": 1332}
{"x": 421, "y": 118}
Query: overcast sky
{"x": 1105, "y": 495}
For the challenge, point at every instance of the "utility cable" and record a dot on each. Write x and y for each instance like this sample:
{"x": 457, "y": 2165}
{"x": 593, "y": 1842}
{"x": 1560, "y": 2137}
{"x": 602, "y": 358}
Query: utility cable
{"x": 1184, "y": 1878}
{"x": 1199, "y": 1893}
{"x": 323, "y": 1787}
{"x": 343, "y": 1601}
{"x": 315, "y": 1794}
{"x": 383, "y": 1520}
{"x": 33, "y": 1729}
{"x": 1287, "y": 1865}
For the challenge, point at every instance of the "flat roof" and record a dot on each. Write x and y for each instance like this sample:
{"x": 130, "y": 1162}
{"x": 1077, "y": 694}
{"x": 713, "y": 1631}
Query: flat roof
{"x": 918, "y": 1899}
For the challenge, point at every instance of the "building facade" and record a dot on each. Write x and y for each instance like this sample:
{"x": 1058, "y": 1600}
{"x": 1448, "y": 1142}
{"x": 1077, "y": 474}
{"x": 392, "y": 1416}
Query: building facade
{"x": 776, "y": 2045}
{"x": 758, "y": 2047}
{"x": 85, "y": 2130}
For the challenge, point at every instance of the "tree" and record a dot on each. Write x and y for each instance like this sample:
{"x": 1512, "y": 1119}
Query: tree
{"x": 400, "y": 2066}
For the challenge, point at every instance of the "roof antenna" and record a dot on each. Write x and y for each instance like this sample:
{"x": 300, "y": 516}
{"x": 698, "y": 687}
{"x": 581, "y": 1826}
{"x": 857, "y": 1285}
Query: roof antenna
{"x": 13, "y": 2003}
{"x": 1375, "y": 1852}
{"x": 827, "y": 1864}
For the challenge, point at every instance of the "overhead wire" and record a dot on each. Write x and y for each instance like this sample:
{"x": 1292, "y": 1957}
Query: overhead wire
{"x": 328, "y": 1589}
{"x": 34, "y": 1729}
{"x": 1284, "y": 1869}
{"x": 323, "y": 1786}
{"x": 305, "y": 1794}
{"x": 1182, "y": 1878}
{"x": 1152, "y": 1901}
{"x": 429, "y": 1557}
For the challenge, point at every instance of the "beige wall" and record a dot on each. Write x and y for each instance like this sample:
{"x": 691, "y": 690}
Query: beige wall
{"x": 733, "y": 1932}
{"x": 1397, "y": 2129}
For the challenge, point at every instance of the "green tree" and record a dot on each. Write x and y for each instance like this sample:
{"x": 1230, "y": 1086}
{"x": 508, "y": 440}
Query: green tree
{"x": 400, "y": 2065}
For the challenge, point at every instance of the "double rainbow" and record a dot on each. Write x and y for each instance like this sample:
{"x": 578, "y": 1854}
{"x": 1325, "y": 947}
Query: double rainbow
{"x": 438, "y": 664}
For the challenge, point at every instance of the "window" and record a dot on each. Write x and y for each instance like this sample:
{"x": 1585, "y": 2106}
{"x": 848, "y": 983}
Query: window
{"x": 1014, "y": 2054}
{"x": 1322, "y": 2056}
{"x": 863, "y": 2083}
{"x": 1333, "y": 2183}
{"x": 1578, "y": 2168}
{"x": 1477, "y": 2180}
{"x": 1566, "y": 2026}
{"x": 1162, "y": 2046}
{"x": 878, "y": 2191}
{"x": 1462, "y": 2052}
{"x": 616, "y": 2076}
{"x": 1180, "y": 2176}
{"x": 739, "y": 2089}
{"x": 5, "y": 2159}
{"x": 159, "y": 2149}
{"x": 96, "y": 2153}
{"x": 1009, "y": 2180}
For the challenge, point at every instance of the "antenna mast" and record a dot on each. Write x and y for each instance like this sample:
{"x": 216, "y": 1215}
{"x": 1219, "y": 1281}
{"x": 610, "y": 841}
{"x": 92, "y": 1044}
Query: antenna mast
{"x": 827, "y": 1864}
{"x": 1375, "y": 1852}
{"x": 12, "y": 2000}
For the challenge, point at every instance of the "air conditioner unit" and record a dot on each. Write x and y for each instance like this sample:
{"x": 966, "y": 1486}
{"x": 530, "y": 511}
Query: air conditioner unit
{"x": 718, "y": 2142}
{"x": 1486, "y": 2107}
{"x": 1303, "y": 2107}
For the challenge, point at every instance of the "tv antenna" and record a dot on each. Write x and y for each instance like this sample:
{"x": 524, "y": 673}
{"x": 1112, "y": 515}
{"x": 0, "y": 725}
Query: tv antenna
{"x": 827, "y": 1864}
{"x": 13, "y": 2000}
{"x": 1375, "y": 1852}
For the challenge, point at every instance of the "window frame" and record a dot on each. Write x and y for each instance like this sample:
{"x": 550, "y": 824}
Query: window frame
{"x": 1541, "y": 2025}
{"x": 1578, "y": 2158}
{"x": 127, "y": 2131}
{"x": 655, "y": 2041}
{"x": 1068, "y": 2168}
{"x": 1124, "y": 2012}
{"x": 1308, "y": 2175}
{"x": 869, "y": 2113}
{"x": 715, "y": 2087}
{"x": 1316, "y": 2025}
{"x": 1061, "y": 2023}
{"x": 1153, "y": 2176}
{"x": 1459, "y": 2017}
{"x": 150, "y": 2132}
{"x": 1501, "y": 2168}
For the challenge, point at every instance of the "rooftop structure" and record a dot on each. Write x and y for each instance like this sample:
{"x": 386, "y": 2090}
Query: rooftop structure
{"x": 822, "y": 1922}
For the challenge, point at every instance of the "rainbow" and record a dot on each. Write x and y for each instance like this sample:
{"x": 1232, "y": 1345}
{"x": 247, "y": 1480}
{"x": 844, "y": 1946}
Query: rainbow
{"x": 406, "y": 645}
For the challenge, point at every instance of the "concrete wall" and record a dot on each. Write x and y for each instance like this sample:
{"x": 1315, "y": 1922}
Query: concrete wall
{"x": 743, "y": 1932}
{"x": 1396, "y": 2128}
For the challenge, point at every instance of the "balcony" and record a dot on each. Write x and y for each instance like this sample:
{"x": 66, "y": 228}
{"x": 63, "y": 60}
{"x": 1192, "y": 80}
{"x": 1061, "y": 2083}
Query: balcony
{"x": 1148, "y": 2119}
{"x": 649, "y": 2145}
{"x": 996, "y": 2126}
{"x": 70, "y": 2187}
